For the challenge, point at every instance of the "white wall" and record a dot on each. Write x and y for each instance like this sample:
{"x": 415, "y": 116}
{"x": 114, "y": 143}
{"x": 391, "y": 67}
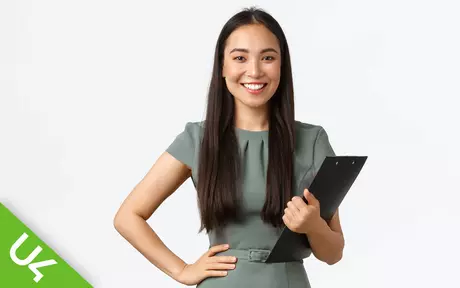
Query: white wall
{"x": 92, "y": 92}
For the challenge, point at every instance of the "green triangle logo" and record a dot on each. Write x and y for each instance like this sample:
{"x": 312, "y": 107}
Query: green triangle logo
{"x": 26, "y": 261}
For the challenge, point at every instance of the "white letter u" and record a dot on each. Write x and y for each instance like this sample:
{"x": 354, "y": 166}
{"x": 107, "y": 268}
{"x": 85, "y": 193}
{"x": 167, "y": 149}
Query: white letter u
{"x": 33, "y": 267}
{"x": 29, "y": 258}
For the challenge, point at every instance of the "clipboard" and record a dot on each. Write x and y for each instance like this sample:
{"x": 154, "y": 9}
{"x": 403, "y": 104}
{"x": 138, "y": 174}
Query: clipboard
{"x": 330, "y": 186}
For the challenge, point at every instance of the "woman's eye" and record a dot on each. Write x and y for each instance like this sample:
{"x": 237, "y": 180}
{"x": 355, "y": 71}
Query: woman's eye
{"x": 268, "y": 58}
{"x": 239, "y": 58}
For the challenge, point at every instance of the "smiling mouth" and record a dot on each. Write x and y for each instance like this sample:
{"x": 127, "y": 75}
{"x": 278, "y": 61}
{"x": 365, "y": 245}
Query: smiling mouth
{"x": 254, "y": 87}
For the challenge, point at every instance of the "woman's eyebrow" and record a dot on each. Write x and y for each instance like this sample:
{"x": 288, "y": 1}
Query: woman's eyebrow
{"x": 247, "y": 51}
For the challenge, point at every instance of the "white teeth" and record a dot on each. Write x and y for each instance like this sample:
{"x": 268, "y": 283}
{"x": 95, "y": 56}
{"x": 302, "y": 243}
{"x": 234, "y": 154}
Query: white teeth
{"x": 254, "y": 86}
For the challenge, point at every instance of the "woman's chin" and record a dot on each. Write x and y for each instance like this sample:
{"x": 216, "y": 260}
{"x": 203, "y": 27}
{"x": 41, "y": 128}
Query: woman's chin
{"x": 254, "y": 103}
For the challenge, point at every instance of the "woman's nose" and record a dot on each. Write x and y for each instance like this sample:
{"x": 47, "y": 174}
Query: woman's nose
{"x": 254, "y": 69}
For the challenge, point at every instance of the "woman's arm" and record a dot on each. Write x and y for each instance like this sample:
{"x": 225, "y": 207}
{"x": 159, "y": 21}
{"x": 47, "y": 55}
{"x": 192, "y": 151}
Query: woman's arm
{"x": 165, "y": 176}
{"x": 327, "y": 241}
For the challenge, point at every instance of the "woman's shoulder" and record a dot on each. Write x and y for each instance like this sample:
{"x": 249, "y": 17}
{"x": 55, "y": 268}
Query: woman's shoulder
{"x": 312, "y": 141}
{"x": 308, "y": 131}
{"x": 185, "y": 145}
{"x": 194, "y": 124}
{"x": 193, "y": 128}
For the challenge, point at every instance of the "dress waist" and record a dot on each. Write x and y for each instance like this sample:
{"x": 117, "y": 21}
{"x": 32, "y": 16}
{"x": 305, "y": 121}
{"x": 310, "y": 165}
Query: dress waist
{"x": 251, "y": 255}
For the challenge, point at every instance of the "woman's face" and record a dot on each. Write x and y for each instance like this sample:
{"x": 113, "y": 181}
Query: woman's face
{"x": 252, "y": 65}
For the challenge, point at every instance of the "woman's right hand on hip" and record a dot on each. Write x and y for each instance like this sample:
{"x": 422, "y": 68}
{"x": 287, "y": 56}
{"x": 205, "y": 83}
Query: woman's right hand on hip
{"x": 208, "y": 265}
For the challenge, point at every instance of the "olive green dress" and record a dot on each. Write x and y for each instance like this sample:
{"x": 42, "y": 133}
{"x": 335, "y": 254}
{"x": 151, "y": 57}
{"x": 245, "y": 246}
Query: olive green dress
{"x": 252, "y": 240}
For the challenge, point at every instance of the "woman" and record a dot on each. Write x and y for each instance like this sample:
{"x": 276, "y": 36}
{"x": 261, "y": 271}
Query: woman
{"x": 246, "y": 190}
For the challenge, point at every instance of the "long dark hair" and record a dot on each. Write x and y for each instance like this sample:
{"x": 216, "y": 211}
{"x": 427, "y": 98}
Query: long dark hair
{"x": 219, "y": 185}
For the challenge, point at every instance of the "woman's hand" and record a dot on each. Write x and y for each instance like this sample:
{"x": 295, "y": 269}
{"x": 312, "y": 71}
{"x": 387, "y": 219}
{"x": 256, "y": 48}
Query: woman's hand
{"x": 301, "y": 217}
{"x": 206, "y": 266}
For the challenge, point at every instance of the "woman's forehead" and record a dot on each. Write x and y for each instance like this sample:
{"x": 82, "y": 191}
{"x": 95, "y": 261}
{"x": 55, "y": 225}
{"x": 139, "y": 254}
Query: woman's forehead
{"x": 254, "y": 38}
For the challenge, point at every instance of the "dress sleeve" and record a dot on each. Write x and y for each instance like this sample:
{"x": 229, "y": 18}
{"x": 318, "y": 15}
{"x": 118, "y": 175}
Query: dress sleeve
{"x": 183, "y": 146}
{"x": 322, "y": 149}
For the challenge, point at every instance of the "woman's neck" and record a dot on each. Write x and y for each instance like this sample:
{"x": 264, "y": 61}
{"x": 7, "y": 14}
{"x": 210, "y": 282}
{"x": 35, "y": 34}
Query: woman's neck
{"x": 253, "y": 119}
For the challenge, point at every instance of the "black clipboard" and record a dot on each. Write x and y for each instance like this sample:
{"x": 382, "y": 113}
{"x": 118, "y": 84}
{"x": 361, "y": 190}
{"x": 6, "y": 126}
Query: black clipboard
{"x": 330, "y": 186}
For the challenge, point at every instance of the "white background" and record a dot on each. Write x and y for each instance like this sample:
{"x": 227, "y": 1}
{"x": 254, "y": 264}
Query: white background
{"x": 92, "y": 92}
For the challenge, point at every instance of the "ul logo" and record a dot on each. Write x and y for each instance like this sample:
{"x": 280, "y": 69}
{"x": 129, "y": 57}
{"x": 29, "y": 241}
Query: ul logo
{"x": 28, "y": 261}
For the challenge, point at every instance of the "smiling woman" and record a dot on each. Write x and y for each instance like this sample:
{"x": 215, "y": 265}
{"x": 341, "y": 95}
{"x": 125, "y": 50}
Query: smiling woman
{"x": 254, "y": 70}
{"x": 249, "y": 161}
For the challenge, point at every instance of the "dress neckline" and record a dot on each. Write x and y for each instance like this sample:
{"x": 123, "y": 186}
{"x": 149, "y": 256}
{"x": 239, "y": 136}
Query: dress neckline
{"x": 252, "y": 134}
